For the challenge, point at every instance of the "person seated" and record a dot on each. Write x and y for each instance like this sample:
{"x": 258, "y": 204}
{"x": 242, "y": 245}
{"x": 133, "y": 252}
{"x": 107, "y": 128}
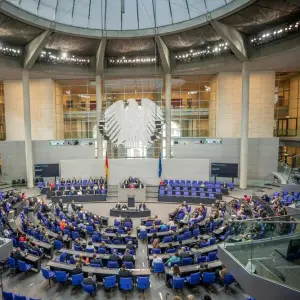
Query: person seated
{"x": 127, "y": 219}
{"x": 90, "y": 280}
{"x": 79, "y": 192}
{"x": 96, "y": 261}
{"x": 62, "y": 181}
{"x": 142, "y": 206}
{"x": 163, "y": 227}
{"x": 117, "y": 239}
{"x": 130, "y": 245}
{"x": 124, "y": 207}
{"x": 128, "y": 257}
{"x": 224, "y": 185}
{"x": 174, "y": 272}
{"x": 114, "y": 256}
{"x": 95, "y": 187}
{"x": 90, "y": 246}
{"x": 185, "y": 220}
{"x": 155, "y": 260}
{"x": 17, "y": 255}
{"x": 155, "y": 244}
{"x": 220, "y": 274}
{"x": 202, "y": 184}
{"x": 170, "y": 246}
{"x": 72, "y": 188}
{"x": 173, "y": 259}
{"x": 118, "y": 206}
{"x": 77, "y": 243}
{"x": 183, "y": 253}
{"x": 77, "y": 269}
{"x": 124, "y": 273}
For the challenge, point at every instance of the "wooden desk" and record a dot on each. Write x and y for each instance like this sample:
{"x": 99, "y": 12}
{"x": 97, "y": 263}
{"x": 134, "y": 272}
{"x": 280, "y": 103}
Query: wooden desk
{"x": 48, "y": 248}
{"x": 103, "y": 257}
{"x": 184, "y": 242}
{"x": 193, "y": 252}
{"x": 123, "y": 235}
{"x": 35, "y": 261}
{"x": 99, "y": 272}
{"x": 197, "y": 268}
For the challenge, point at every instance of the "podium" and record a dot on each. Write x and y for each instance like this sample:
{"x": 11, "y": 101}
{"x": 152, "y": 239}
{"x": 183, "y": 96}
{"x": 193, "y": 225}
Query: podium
{"x": 130, "y": 201}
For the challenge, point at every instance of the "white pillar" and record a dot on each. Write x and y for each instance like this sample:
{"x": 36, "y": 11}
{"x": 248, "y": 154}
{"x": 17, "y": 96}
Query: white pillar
{"x": 244, "y": 127}
{"x": 168, "y": 114}
{"x": 99, "y": 110}
{"x": 27, "y": 128}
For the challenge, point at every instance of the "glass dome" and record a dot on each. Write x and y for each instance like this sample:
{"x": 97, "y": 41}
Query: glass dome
{"x": 116, "y": 17}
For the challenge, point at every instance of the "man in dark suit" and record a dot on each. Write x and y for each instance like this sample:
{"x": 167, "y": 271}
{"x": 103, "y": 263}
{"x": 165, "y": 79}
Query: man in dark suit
{"x": 91, "y": 280}
{"x": 77, "y": 269}
{"x": 130, "y": 245}
{"x": 184, "y": 254}
{"x": 128, "y": 257}
{"x": 124, "y": 273}
{"x": 114, "y": 256}
{"x": 18, "y": 255}
{"x": 96, "y": 261}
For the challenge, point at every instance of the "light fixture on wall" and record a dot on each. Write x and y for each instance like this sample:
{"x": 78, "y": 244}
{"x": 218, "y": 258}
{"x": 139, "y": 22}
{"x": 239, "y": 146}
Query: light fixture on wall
{"x": 277, "y": 33}
{"x": 140, "y": 60}
{"x": 203, "y": 53}
{"x": 9, "y": 50}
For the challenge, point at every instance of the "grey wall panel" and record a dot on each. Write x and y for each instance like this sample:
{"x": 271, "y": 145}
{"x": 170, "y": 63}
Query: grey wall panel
{"x": 145, "y": 169}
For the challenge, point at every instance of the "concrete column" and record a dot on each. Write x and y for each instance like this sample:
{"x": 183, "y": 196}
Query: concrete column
{"x": 244, "y": 127}
{"x": 168, "y": 114}
{"x": 99, "y": 110}
{"x": 27, "y": 128}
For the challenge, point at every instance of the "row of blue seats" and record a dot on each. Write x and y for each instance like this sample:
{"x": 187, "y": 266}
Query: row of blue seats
{"x": 196, "y": 183}
{"x": 186, "y": 194}
{"x": 194, "y": 279}
{"x": 12, "y": 296}
{"x": 109, "y": 282}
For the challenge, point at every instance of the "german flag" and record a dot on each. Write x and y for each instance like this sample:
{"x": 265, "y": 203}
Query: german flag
{"x": 106, "y": 167}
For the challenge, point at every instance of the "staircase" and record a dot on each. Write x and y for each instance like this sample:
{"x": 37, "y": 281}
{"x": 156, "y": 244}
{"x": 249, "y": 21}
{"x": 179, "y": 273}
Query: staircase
{"x": 151, "y": 193}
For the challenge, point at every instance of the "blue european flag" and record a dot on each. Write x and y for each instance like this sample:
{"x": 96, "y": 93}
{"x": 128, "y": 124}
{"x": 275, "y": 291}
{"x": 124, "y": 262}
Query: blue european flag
{"x": 159, "y": 166}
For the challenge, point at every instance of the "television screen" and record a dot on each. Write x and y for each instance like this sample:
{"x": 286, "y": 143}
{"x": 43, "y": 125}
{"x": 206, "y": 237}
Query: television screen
{"x": 224, "y": 170}
{"x": 46, "y": 170}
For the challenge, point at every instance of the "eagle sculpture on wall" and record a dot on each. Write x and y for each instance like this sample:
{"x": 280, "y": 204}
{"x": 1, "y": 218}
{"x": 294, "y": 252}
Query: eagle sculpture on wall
{"x": 132, "y": 123}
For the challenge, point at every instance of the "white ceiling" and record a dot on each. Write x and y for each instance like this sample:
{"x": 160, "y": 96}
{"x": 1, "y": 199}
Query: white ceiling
{"x": 119, "y": 14}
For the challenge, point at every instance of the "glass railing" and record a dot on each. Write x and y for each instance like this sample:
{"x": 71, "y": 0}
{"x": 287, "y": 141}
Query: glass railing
{"x": 268, "y": 247}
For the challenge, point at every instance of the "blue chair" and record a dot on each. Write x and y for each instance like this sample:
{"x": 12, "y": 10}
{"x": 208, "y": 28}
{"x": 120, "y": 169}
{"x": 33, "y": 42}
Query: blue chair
{"x": 75, "y": 235}
{"x": 90, "y": 289}
{"x": 7, "y": 295}
{"x": 128, "y": 264}
{"x": 23, "y": 267}
{"x": 212, "y": 241}
{"x": 187, "y": 261}
{"x": 77, "y": 248}
{"x": 63, "y": 257}
{"x": 101, "y": 250}
{"x": 156, "y": 251}
{"x": 125, "y": 284}
{"x": 48, "y": 275}
{"x": 112, "y": 264}
{"x": 228, "y": 280}
{"x": 143, "y": 283}
{"x": 159, "y": 268}
{"x": 193, "y": 279}
{"x": 171, "y": 250}
{"x": 208, "y": 278}
{"x": 12, "y": 265}
{"x": 61, "y": 278}
{"x": 201, "y": 259}
{"x": 96, "y": 239}
{"x": 20, "y": 297}
{"x": 109, "y": 283}
{"x": 178, "y": 283}
{"x": 195, "y": 232}
{"x": 88, "y": 250}
{"x": 58, "y": 245}
{"x": 167, "y": 239}
{"x": 212, "y": 256}
{"x": 117, "y": 223}
{"x": 89, "y": 229}
{"x": 76, "y": 281}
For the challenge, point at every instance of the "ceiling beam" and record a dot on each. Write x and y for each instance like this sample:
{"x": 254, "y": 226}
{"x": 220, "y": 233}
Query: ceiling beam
{"x": 164, "y": 54}
{"x": 235, "y": 39}
{"x": 100, "y": 57}
{"x": 34, "y": 48}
